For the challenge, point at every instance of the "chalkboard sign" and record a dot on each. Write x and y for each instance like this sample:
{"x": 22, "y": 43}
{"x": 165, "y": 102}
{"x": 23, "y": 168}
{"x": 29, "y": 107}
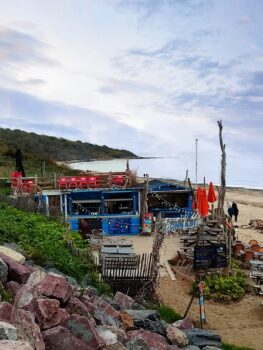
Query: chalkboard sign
{"x": 209, "y": 257}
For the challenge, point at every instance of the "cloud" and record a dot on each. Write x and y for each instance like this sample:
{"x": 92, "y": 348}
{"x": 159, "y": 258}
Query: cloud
{"x": 245, "y": 20}
{"x": 148, "y": 8}
{"x": 17, "y": 47}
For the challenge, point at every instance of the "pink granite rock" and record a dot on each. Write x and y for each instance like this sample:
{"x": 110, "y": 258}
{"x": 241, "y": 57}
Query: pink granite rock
{"x": 5, "y": 311}
{"x": 16, "y": 272}
{"x": 176, "y": 336}
{"x": 88, "y": 303}
{"x": 60, "y": 338}
{"x": 15, "y": 345}
{"x": 55, "y": 286}
{"x": 185, "y": 323}
{"x": 83, "y": 329}
{"x": 75, "y": 306}
{"x": 151, "y": 339}
{"x": 13, "y": 287}
{"x": 25, "y": 299}
{"x": 123, "y": 300}
{"x": 48, "y": 313}
{"x": 29, "y": 330}
{"x": 103, "y": 305}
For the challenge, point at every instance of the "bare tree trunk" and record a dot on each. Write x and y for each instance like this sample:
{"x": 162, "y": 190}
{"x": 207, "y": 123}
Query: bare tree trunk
{"x": 222, "y": 189}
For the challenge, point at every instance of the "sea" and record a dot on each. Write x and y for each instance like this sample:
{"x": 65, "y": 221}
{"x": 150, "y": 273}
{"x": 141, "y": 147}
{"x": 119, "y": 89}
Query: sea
{"x": 174, "y": 168}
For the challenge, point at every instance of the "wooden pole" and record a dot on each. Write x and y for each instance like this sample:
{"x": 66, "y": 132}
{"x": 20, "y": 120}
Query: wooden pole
{"x": 222, "y": 191}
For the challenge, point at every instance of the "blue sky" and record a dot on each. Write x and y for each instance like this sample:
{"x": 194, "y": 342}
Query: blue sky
{"x": 146, "y": 75}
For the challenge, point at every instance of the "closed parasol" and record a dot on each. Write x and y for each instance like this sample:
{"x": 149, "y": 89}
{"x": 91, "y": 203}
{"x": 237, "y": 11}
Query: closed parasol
{"x": 211, "y": 193}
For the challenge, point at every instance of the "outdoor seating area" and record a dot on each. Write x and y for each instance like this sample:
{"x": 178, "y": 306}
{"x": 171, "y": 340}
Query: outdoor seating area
{"x": 247, "y": 252}
{"x": 19, "y": 183}
{"x": 92, "y": 182}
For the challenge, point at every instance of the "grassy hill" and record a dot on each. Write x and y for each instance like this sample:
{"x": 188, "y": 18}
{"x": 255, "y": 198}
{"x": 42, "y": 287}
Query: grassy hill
{"x": 36, "y": 148}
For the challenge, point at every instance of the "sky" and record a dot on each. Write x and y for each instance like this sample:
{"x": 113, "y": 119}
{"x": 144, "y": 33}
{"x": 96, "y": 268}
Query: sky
{"x": 150, "y": 76}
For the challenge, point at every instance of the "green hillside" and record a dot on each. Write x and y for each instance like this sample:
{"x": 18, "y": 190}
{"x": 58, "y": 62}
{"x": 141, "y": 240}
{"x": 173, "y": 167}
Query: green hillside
{"x": 58, "y": 149}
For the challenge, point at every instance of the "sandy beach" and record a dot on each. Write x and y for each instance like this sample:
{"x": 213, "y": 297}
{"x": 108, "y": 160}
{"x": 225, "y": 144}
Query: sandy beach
{"x": 240, "y": 323}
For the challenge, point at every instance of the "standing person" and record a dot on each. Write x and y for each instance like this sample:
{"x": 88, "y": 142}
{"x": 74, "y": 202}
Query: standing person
{"x": 230, "y": 210}
{"x": 235, "y": 210}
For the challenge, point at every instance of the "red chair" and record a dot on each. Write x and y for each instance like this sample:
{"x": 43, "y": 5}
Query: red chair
{"x": 119, "y": 180}
{"x": 83, "y": 182}
{"x": 249, "y": 255}
{"x": 238, "y": 247}
{"x": 92, "y": 182}
{"x": 252, "y": 242}
{"x": 14, "y": 178}
{"x": 255, "y": 247}
{"x": 27, "y": 185}
{"x": 63, "y": 183}
{"x": 73, "y": 182}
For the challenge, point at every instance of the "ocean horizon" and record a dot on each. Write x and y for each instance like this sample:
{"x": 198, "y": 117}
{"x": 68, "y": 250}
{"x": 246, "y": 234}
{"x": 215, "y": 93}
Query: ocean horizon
{"x": 170, "y": 168}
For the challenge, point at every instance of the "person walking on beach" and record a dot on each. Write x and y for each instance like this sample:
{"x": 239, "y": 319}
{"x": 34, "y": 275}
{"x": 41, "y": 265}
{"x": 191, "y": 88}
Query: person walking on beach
{"x": 230, "y": 210}
{"x": 235, "y": 210}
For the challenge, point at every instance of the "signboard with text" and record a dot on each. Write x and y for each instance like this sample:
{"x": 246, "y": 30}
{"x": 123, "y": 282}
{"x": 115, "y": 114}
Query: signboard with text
{"x": 209, "y": 257}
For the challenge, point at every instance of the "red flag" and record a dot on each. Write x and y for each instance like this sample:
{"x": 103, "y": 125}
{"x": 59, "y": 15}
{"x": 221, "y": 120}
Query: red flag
{"x": 211, "y": 193}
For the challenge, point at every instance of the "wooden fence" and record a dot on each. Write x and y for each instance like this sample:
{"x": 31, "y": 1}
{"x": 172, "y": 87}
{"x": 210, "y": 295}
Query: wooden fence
{"x": 127, "y": 274}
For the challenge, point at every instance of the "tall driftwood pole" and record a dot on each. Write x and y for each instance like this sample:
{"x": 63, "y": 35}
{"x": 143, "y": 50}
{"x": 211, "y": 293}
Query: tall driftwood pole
{"x": 222, "y": 190}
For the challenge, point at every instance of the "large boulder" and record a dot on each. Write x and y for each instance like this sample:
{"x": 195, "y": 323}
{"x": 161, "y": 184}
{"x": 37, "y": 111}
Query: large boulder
{"x": 191, "y": 347}
{"x": 151, "y": 339}
{"x": 15, "y": 345}
{"x": 104, "y": 319}
{"x": 176, "y": 336}
{"x": 5, "y": 311}
{"x": 25, "y": 299}
{"x": 16, "y": 271}
{"x": 75, "y": 306}
{"x": 185, "y": 323}
{"x": 8, "y": 331}
{"x": 88, "y": 303}
{"x": 55, "y": 286}
{"x": 3, "y": 271}
{"x": 123, "y": 300}
{"x": 83, "y": 329}
{"x": 60, "y": 338}
{"x": 152, "y": 326}
{"x": 203, "y": 337}
{"x": 36, "y": 277}
{"x": 14, "y": 255}
{"x": 28, "y": 329}
{"x": 48, "y": 313}
{"x": 141, "y": 315}
{"x": 13, "y": 287}
{"x": 103, "y": 305}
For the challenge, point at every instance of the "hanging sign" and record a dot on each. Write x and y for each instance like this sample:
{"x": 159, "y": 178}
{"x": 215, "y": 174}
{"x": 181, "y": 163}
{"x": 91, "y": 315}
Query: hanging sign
{"x": 147, "y": 223}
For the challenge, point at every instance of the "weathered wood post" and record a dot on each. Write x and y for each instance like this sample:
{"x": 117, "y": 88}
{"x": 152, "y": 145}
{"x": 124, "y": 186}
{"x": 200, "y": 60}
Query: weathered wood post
{"x": 222, "y": 189}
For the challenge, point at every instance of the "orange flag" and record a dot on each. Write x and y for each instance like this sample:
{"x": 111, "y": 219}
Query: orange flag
{"x": 211, "y": 193}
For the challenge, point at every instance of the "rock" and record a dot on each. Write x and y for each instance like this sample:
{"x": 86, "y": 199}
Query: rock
{"x": 151, "y": 339}
{"x": 16, "y": 272}
{"x": 102, "y": 318}
{"x": 8, "y": 331}
{"x": 117, "y": 346}
{"x": 185, "y": 323}
{"x": 136, "y": 344}
{"x": 25, "y": 323}
{"x": 83, "y": 329}
{"x": 55, "y": 286}
{"x": 48, "y": 313}
{"x": 35, "y": 278}
{"x": 11, "y": 253}
{"x": 60, "y": 338}
{"x": 71, "y": 280}
{"x": 143, "y": 314}
{"x": 123, "y": 300}
{"x": 75, "y": 306}
{"x": 5, "y": 311}
{"x": 191, "y": 347}
{"x": 13, "y": 287}
{"x": 14, "y": 345}
{"x": 152, "y": 326}
{"x": 176, "y": 336}
{"x": 103, "y": 305}
{"x": 25, "y": 299}
{"x": 3, "y": 271}
{"x": 211, "y": 348}
{"x": 107, "y": 336}
{"x": 127, "y": 321}
{"x": 112, "y": 303}
{"x": 121, "y": 335}
{"x": 203, "y": 337}
{"x": 137, "y": 306}
{"x": 89, "y": 305}
{"x": 172, "y": 347}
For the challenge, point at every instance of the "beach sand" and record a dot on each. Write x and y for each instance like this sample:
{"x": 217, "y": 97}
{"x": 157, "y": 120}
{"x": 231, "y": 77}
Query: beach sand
{"x": 239, "y": 323}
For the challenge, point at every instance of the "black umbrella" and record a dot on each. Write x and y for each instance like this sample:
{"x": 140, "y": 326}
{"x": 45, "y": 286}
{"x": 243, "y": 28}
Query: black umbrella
{"x": 19, "y": 164}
